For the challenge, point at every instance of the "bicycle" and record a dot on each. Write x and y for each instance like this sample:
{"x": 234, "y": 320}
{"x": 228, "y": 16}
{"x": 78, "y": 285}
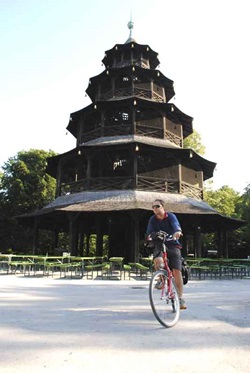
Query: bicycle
{"x": 163, "y": 295}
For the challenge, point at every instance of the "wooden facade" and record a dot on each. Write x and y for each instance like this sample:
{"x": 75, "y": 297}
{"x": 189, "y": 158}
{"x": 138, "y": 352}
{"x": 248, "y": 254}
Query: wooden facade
{"x": 129, "y": 151}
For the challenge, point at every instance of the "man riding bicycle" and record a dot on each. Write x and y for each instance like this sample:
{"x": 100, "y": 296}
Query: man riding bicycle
{"x": 168, "y": 222}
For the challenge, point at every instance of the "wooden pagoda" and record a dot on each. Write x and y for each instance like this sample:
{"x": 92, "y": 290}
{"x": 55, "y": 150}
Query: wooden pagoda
{"x": 129, "y": 151}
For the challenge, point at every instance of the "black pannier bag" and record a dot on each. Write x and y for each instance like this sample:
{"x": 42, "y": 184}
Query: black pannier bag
{"x": 185, "y": 272}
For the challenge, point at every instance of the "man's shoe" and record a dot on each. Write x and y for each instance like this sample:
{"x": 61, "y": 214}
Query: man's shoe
{"x": 183, "y": 305}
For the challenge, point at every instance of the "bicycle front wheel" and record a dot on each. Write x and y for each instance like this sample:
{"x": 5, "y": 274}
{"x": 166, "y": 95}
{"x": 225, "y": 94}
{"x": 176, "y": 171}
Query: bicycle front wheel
{"x": 164, "y": 299}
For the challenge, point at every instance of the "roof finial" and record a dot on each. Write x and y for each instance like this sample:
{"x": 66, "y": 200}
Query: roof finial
{"x": 130, "y": 26}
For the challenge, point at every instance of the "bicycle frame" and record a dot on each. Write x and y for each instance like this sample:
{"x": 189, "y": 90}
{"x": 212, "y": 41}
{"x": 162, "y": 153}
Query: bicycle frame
{"x": 170, "y": 273}
{"x": 164, "y": 298}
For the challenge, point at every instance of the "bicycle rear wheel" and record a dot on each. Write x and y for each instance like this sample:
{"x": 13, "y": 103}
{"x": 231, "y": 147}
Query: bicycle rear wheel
{"x": 165, "y": 305}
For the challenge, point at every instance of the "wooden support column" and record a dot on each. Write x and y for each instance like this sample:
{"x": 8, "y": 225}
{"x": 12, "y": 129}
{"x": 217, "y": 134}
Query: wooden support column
{"x": 35, "y": 236}
{"x": 55, "y": 243}
{"x": 87, "y": 244}
{"x": 99, "y": 237}
{"x": 222, "y": 244}
{"x": 134, "y": 240}
{"x": 225, "y": 244}
{"x": 102, "y": 123}
{"x": 184, "y": 250}
{"x": 135, "y": 152}
{"x": 73, "y": 239}
{"x": 133, "y": 120}
{"x": 88, "y": 171}
{"x": 113, "y": 86}
{"x": 80, "y": 131}
{"x": 164, "y": 125}
{"x": 197, "y": 241}
{"x": 151, "y": 89}
{"x": 81, "y": 243}
{"x": 133, "y": 251}
{"x": 179, "y": 178}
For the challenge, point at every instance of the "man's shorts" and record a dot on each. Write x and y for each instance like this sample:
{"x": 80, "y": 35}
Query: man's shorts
{"x": 174, "y": 256}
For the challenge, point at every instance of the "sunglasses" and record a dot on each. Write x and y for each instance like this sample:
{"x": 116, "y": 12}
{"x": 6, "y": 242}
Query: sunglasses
{"x": 156, "y": 206}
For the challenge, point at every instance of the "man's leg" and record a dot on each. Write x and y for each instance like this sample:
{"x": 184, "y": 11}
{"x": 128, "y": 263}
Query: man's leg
{"x": 158, "y": 263}
{"x": 176, "y": 264}
{"x": 179, "y": 285}
{"x": 178, "y": 281}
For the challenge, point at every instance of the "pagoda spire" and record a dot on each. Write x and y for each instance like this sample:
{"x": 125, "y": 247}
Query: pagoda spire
{"x": 130, "y": 26}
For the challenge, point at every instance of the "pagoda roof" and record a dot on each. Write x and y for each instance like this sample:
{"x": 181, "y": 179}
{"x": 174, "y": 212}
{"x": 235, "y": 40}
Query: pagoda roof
{"x": 127, "y": 200}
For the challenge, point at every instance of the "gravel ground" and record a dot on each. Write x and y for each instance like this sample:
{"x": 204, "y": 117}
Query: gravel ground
{"x": 80, "y": 325}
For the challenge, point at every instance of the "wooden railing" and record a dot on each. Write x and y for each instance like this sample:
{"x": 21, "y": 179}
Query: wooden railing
{"x": 127, "y": 129}
{"x": 143, "y": 130}
{"x": 157, "y": 184}
{"x": 144, "y": 183}
{"x": 141, "y": 62}
{"x": 120, "y": 130}
{"x": 118, "y": 93}
{"x": 173, "y": 138}
{"x": 191, "y": 190}
{"x": 97, "y": 184}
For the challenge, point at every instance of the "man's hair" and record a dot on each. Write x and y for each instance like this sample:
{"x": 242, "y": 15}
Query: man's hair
{"x": 161, "y": 202}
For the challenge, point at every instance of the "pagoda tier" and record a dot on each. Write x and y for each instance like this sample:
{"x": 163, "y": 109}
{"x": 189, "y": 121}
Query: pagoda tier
{"x": 131, "y": 53}
{"x": 130, "y": 116}
{"x": 133, "y": 162}
{"x": 115, "y": 84}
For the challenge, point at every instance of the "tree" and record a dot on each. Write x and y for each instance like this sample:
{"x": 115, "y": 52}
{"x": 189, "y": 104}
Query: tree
{"x": 225, "y": 200}
{"x": 244, "y": 208}
{"x": 24, "y": 187}
{"x": 193, "y": 141}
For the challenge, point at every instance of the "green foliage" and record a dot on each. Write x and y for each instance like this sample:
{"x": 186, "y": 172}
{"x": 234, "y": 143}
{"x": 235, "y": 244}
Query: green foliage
{"x": 225, "y": 200}
{"x": 193, "y": 141}
{"x": 245, "y": 212}
{"x": 24, "y": 187}
{"x": 229, "y": 203}
{"x": 92, "y": 245}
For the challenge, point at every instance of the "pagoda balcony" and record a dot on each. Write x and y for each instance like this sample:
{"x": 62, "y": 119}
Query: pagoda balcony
{"x": 144, "y": 183}
{"x": 119, "y": 93}
{"x": 141, "y": 62}
{"x": 128, "y": 129}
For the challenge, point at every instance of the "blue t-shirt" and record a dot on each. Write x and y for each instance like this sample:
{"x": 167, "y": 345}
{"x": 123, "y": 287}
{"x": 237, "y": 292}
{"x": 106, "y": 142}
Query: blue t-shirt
{"x": 168, "y": 224}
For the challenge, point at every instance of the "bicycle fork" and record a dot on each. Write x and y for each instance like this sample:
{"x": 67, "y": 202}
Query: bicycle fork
{"x": 167, "y": 289}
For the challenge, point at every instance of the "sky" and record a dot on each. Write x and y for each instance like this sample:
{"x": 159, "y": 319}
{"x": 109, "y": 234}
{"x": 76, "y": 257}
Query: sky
{"x": 50, "y": 49}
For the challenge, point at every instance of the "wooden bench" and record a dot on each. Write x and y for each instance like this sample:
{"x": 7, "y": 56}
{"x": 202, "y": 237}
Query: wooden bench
{"x": 91, "y": 268}
{"x": 140, "y": 270}
{"x": 143, "y": 270}
{"x": 126, "y": 269}
{"x": 23, "y": 266}
{"x": 71, "y": 267}
{"x": 106, "y": 271}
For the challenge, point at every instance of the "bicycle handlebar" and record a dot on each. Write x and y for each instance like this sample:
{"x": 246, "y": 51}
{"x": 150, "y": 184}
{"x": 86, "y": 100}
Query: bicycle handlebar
{"x": 160, "y": 235}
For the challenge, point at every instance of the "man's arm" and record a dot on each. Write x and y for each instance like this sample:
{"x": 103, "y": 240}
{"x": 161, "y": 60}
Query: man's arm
{"x": 175, "y": 226}
{"x": 150, "y": 227}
